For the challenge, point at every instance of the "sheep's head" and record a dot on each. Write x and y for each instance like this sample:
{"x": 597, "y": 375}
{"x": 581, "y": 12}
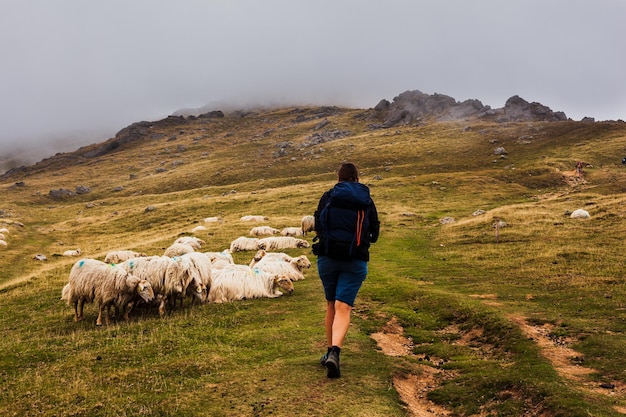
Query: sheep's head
{"x": 260, "y": 254}
{"x": 284, "y": 283}
{"x": 144, "y": 290}
{"x": 303, "y": 262}
{"x": 303, "y": 243}
{"x": 197, "y": 289}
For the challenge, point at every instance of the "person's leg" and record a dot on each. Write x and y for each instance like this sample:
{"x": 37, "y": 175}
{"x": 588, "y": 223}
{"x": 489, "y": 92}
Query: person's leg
{"x": 340, "y": 323}
{"x": 329, "y": 322}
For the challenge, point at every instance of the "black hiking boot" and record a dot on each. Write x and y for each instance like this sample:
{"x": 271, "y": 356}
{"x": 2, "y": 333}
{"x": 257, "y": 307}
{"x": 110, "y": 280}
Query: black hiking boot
{"x": 332, "y": 363}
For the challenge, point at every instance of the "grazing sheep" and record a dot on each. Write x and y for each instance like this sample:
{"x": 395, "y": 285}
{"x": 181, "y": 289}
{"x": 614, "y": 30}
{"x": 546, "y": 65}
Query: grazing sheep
{"x": 263, "y": 231}
{"x": 194, "y": 242}
{"x": 284, "y": 265}
{"x": 580, "y": 214}
{"x": 177, "y": 249}
{"x": 73, "y": 252}
{"x": 169, "y": 277}
{"x": 4, "y": 230}
{"x": 119, "y": 256}
{"x": 243, "y": 243}
{"x": 212, "y": 219}
{"x": 199, "y": 229}
{"x": 238, "y": 282}
{"x": 2, "y": 237}
{"x": 225, "y": 255}
{"x": 254, "y": 218}
{"x": 3, "y": 243}
{"x": 199, "y": 266}
{"x": 308, "y": 224}
{"x": 108, "y": 285}
{"x": 282, "y": 242}
{"x": 291, "y": 231}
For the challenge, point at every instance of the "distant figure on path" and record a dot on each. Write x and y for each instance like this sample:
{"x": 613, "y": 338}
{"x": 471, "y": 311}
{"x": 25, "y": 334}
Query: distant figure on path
{"x": 579, "y": 169}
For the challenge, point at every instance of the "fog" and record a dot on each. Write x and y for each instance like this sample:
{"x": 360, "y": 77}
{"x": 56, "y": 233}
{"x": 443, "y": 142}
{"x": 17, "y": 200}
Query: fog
{"x": 74, "y": 72}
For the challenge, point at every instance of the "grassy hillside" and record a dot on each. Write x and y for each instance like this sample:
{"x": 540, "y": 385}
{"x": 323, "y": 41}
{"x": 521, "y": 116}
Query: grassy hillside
{"x": 452, "y": 318}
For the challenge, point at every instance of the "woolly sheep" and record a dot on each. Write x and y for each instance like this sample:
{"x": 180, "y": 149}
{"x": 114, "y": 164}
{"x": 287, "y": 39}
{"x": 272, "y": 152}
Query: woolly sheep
{"x": 263, "y": 231}
{"x": 282, "y": 242}
{"x": 284, "y": 265}
{"x": 291, "y": 231}
{"x": 169, "y": 277}
{"x": 308, "y": 224}
{"x": 194, "y": 242}
{"x": 580, "y": 214}
{"x": 199, "y": 229}
{"x": 119, "y": 256}
{"x": 212, "y": 219}
{"x": 108, "y": 285}
{"x": 72, "y": 252}
{"x": 243, "y": 243}
{"x": 238, "y": 282}
{"x": 3, "y": 243}
{"x": 4, "y": 230}
{"x": 254, "y": 218}
{"x": 225, "y": 255}
{"x": 2, "y": 237}
{"x": 199, "y": 266}
{"x": 177, "y": 249}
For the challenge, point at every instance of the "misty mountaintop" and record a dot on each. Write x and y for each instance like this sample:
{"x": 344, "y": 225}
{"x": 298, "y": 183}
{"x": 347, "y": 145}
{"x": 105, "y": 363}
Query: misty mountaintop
{"x": 408, "y": 108}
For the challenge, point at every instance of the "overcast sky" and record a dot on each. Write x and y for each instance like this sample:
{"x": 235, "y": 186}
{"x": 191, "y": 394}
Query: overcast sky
{"x": 74, "y": 72}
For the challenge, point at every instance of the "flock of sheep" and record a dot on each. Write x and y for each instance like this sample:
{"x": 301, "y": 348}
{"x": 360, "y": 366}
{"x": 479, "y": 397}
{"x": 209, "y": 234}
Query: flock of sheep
{"x": 127, "y": 278}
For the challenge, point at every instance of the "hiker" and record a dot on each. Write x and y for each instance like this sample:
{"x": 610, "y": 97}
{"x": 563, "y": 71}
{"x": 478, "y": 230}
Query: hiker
{"x": 579, "y": 169}
{"x": 346, "y": 222}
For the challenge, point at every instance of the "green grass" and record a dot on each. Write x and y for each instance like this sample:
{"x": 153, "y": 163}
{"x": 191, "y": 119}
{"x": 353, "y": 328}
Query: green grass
{"x": 454, "y": 290}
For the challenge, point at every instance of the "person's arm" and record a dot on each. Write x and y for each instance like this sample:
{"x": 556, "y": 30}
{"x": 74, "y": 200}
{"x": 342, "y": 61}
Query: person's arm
{"x": 374, "y": 224}
{"x": 320, "y": 206}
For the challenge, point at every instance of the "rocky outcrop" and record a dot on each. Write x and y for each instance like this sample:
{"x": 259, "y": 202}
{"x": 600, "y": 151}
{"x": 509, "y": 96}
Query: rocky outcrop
{"x": 516, "y": 109}
{"x": 415, "y": 107}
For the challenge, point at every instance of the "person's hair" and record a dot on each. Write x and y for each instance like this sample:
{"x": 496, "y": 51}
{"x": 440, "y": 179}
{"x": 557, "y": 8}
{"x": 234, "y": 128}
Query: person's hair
{"x": 348, "y": 172}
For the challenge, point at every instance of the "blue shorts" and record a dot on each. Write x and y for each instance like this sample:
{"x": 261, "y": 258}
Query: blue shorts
{"x": 341, "y": 279}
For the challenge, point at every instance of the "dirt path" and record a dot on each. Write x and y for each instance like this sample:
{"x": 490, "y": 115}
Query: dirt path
{"x": 413, "y": 387}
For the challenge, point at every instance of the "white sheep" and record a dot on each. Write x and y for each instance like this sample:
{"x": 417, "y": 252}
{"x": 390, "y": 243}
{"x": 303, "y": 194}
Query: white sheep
{"x": 4, "y": 230}
{"x": 284, "y": 265}
{"x": 3, "y": 243}
{"x": 108, "y": 285}
{"x": 169, "y": 277}
{"x": 263, "y": 231}
{"x": 580, "y": 214}
{"x": 177, "y": 249}
{"x": 194, "y": 242}
{"x": 282, "y": 242}
{"x": 2, "y": 237}
{"x": 238, "y": 282}
{"x": 243, "y": 243}
{"x": 200, "y": 269}
{"x": 225, "y": 255}
{"x": 199, "y": 229}
{"x": 291, "y": 231}
{"x": 254, "y": 218}
{"x": 308, "y": 224}
{"x": 72, "y": 252}
{"x": 119, "y": 256}
{"x": 213, "y": 219}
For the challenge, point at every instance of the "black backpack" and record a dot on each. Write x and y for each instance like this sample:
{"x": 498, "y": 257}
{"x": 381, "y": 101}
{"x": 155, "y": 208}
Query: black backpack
{"x": 344, "y": 221}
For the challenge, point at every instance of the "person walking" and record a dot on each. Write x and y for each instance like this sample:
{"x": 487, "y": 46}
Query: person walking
{"x": 346, "y": 223}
